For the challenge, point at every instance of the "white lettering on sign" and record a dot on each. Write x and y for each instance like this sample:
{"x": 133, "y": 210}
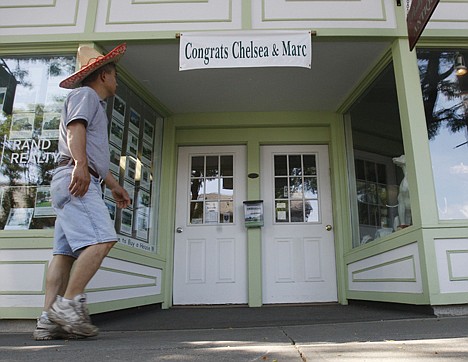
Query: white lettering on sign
{"x": 30, "y": 151}
{"x": 245, "y": 49}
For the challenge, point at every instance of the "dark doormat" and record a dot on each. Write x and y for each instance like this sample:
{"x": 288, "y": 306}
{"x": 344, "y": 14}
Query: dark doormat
{"x": 208, "y": 317}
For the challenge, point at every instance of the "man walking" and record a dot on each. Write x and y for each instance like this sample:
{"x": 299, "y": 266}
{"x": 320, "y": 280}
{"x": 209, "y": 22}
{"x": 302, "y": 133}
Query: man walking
{"x": 84, "y": 232}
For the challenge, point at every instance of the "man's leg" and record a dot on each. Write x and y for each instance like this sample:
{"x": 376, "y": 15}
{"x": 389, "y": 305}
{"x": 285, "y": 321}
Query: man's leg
{"x": 57, "y": 278}
{"x": 71, "y": 311}
{"x": 86, "y": 266}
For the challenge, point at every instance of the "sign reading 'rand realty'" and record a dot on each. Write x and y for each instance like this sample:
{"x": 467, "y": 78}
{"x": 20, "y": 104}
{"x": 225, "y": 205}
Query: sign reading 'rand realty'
{"x": 245, "y": 49}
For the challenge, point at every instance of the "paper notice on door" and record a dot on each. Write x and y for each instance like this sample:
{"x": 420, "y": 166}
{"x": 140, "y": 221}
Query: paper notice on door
{"x": 211, "y": 212}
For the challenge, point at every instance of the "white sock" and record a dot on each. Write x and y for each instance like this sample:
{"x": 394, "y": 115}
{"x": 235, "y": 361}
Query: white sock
{"x": 44, "y": 315}
{"x": 66, "y": 300}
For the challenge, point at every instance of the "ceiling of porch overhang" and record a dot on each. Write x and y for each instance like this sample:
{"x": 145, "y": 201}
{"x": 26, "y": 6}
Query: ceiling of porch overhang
{"x": 337, "y": 67}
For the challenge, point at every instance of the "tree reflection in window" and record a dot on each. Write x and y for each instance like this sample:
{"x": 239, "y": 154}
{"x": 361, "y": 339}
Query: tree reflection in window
{"x": 30, "y": 102}
{"x": 445, "y": 97}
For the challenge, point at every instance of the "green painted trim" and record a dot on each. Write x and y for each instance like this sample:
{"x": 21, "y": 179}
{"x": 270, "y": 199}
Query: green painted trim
{"x": 246, "y": 15}
{"x": 45, "y": 263}
{"x": 415, "y": 139}
{"x": 23, "y": 313}
{"x": 44, "y": 48}
{"x": 167, "y": 203}
{"x": 340, "y": 196}
{"x": 404, "y": 298}
{"x": 402, "y": 238}
{"x": 54, "y": 2}
{"x": 378, "y": 266}
{"x": 450, "y": 268}
{"x": 91, "y": 17}
{"x": 383, "y": 18}
{"x": 73, "y": 23}
{"x": 254, "y": 255}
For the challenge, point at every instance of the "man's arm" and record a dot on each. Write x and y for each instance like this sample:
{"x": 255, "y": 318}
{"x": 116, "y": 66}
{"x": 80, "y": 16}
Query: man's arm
{"x": 76, "y": 139}
{"x": 121, "y": 197}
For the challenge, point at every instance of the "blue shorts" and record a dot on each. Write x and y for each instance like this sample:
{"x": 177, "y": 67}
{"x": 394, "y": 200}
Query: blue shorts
{"x": 81, "y": 221}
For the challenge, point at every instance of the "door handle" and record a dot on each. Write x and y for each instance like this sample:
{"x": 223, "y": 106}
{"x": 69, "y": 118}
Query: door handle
{"x": 328, "y": 227}
{"x": 179, "y": 230}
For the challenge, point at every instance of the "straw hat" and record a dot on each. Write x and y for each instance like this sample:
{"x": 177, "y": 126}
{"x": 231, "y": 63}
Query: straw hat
{"x": 89, "y": 60}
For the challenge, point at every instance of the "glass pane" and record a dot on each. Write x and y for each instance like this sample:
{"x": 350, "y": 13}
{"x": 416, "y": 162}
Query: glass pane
{"x": 382, "y": 194}
{"x": 227, "y": 188}
{"x": 361, "y": 191}
{"x": 296, "y": 187}
{"x": 280, "y": 166}
{"x": 281, "y": 211}
{"x": 445, "y": 96}
{"x": 363, "y": 214}
{"x": 30, "y": 105}
{"x": 281, "y": 188}
{"x": 371, "y": 174}
{"x": 196, "y": 189}
{"x": 310, "y": 167}
{"x": 196, "y": 212}
{"x": 212, "y": 166}
{"x": 311, "y": 211}
{"x": 359, "y": 169}
{"x": 227, "y": 166}
{"x": 310, "y": 187}
{"x": 198, "y": 163}
{"x": 211, "y": 212}
{"x": 295, "y": 166}
{"x": 227, "y": 212}
{"x": 297, "y": 211}
{"x": 381, "y": 173}
{"x": 211, "y": 189}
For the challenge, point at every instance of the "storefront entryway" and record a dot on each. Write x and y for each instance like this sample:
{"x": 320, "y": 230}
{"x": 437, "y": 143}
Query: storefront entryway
{"x": 210, "y": 252}
{"x": 297, "y": 239}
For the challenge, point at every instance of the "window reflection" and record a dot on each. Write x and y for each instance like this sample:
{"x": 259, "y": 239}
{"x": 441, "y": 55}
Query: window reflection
{"x": 382, "y": 204}
{"x": 445, "y": 98}
{"x": 212, "y": 187}
{"x": 296, "y": 195}
{"x": 30, "y": 106}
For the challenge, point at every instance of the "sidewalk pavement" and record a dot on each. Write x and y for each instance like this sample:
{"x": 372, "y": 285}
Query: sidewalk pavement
{"x": 399, "y": 338}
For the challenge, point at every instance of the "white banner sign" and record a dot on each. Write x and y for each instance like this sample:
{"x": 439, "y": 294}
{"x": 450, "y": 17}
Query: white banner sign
{"x": 245, "y": 49}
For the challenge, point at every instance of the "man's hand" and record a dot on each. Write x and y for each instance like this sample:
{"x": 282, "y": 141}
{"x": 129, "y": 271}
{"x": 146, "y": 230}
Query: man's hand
{"x": 121, "y": 197}
{"x": 80, "y": 180}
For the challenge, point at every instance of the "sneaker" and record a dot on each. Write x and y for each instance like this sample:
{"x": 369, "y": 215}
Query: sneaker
{"x": 73, "y": 316}
{"x": 47, "y": 330}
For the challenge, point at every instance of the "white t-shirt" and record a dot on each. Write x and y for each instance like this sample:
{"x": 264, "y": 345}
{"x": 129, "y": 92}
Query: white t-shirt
{"x": 84, "y": 104}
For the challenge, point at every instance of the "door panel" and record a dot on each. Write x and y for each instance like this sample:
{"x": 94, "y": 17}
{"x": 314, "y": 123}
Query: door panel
{"x": 210, "y": 251}
{"x": 298, "y": 250}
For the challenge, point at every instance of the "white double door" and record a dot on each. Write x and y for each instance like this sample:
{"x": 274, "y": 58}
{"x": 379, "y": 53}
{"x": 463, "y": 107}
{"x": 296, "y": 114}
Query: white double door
{"x": 210, "y": 251}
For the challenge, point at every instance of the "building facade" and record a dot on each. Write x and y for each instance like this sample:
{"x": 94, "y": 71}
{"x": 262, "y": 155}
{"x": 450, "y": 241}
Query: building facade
{"x": 353, "y": 173}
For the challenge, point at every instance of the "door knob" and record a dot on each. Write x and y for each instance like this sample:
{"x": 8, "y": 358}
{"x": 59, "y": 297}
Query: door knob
{"x": 179, "y": 230}
{"x": 328, "y": 227}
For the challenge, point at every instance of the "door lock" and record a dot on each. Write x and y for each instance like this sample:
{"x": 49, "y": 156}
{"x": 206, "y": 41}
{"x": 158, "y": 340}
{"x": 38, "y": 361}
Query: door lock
{"x": 179, "y": 230}
{"x": 328, "y": 227}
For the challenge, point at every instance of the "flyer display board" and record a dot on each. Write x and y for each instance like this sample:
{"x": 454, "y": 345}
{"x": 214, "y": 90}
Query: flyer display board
{"x": 134, "y": 140}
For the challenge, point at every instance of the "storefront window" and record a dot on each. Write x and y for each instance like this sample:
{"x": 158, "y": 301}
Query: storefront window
{"x": 30, "y": 106}
{"x": 381, "y": 204}
{"x": 135, "y": 133}
{"x": 445, "y": 95}
{"x": 31, "y": 102}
